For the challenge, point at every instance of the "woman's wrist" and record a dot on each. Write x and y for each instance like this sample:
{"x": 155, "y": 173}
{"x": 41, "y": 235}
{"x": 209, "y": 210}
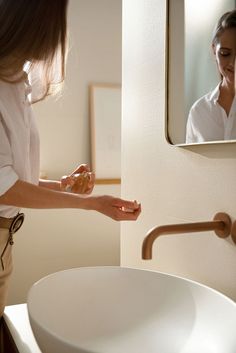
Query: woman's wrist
{"x": 50, "y": 184}
{"x": 89, "y": 202}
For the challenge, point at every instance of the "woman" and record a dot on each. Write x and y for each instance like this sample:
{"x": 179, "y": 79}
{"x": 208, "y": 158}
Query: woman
{"x": 33, "y": 35}
{"x": 213, "y": 117}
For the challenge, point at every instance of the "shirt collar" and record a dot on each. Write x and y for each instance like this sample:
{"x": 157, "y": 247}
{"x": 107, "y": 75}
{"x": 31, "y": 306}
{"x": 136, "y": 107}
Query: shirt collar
{"x": 215, "y": 93}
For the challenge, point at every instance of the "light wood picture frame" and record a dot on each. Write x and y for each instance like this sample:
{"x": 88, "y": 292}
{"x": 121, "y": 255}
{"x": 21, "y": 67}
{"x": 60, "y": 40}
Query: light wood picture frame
{"x": 105, "y": 128}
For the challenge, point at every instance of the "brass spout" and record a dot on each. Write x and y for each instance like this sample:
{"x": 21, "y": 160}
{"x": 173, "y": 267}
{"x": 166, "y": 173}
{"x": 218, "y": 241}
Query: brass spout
{"x": 221, "y": 225}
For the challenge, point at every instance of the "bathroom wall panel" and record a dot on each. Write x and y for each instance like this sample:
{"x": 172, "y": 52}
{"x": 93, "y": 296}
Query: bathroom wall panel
{"x": 173, "y": 184}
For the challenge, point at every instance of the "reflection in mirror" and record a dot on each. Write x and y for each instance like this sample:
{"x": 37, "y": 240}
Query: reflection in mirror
{"x": 201, "y": 56}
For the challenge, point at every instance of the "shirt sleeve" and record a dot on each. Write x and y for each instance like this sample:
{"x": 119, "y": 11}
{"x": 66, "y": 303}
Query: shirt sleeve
{"x": 8, "y": 176}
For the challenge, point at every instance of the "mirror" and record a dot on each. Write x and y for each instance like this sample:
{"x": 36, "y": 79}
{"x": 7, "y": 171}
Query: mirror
{"x": 192, "y": 71}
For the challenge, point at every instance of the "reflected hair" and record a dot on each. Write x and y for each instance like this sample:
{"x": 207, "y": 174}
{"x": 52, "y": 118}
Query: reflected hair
{"x": 226, "y": 21}
{"x": 34, "y": 32}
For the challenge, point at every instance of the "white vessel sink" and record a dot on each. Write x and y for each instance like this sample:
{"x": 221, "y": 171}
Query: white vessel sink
{"x": 122, "y": 310}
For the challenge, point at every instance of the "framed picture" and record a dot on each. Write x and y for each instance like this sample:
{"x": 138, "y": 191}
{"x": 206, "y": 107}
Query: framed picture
{"x": 105, "y": 125}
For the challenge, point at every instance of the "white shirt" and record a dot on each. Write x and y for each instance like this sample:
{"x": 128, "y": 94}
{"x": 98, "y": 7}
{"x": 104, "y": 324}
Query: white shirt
{"x": 19, "y": 140}
{"x": 208, "y": 121}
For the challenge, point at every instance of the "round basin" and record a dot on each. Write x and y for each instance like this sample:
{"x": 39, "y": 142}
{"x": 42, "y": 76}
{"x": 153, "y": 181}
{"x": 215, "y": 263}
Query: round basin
{"x": 124, "y": 310}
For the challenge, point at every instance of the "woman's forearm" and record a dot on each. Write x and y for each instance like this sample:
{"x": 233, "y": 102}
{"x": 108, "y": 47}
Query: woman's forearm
{"x": 50, "y": 184}
{"x": 27, "y": 195}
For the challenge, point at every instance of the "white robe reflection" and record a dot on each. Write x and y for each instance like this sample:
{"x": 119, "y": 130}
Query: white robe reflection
{"x": 208, "y": 121}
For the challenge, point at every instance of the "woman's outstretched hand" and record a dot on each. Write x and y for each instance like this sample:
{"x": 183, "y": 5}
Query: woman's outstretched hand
{"x": 116, "y": 208}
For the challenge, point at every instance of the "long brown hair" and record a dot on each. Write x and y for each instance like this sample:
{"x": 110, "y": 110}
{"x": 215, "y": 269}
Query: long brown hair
{"x": 34, "y": 32}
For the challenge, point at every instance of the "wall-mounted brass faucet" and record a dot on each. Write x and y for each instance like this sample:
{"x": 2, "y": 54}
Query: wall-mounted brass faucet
{"x": 221, "y": 225}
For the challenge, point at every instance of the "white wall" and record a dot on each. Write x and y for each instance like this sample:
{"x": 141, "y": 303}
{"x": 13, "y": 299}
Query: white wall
{"x": 95, "y": 56}
{"x": 174, "y": 184}
{"x": 58, "y": 239}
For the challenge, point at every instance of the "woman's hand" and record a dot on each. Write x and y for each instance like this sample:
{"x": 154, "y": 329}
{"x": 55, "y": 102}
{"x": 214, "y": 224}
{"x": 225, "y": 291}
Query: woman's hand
{"x": 81, "y": 168}
{"x": 80, "y": 181}
{"x": 116, "y": 208}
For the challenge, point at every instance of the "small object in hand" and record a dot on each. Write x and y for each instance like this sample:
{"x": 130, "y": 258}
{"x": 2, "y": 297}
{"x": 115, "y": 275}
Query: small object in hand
{"x": 77, "y": 183}
{"x": 131, "y": 210}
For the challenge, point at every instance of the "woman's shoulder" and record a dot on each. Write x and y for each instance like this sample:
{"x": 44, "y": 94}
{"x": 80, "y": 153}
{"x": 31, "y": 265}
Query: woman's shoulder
{"x": 207, "y": 101}
{"x": 13, "y": 85}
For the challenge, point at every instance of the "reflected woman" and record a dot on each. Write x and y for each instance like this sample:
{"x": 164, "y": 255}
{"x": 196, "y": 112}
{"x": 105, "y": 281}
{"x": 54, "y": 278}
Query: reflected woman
{"x": 213, "y": 116}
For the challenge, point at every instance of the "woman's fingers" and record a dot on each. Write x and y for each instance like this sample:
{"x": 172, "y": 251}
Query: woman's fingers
{"x": 118, "y": 209}
{"x": 81, "y": 168}
{"x": 66, "y": 183}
